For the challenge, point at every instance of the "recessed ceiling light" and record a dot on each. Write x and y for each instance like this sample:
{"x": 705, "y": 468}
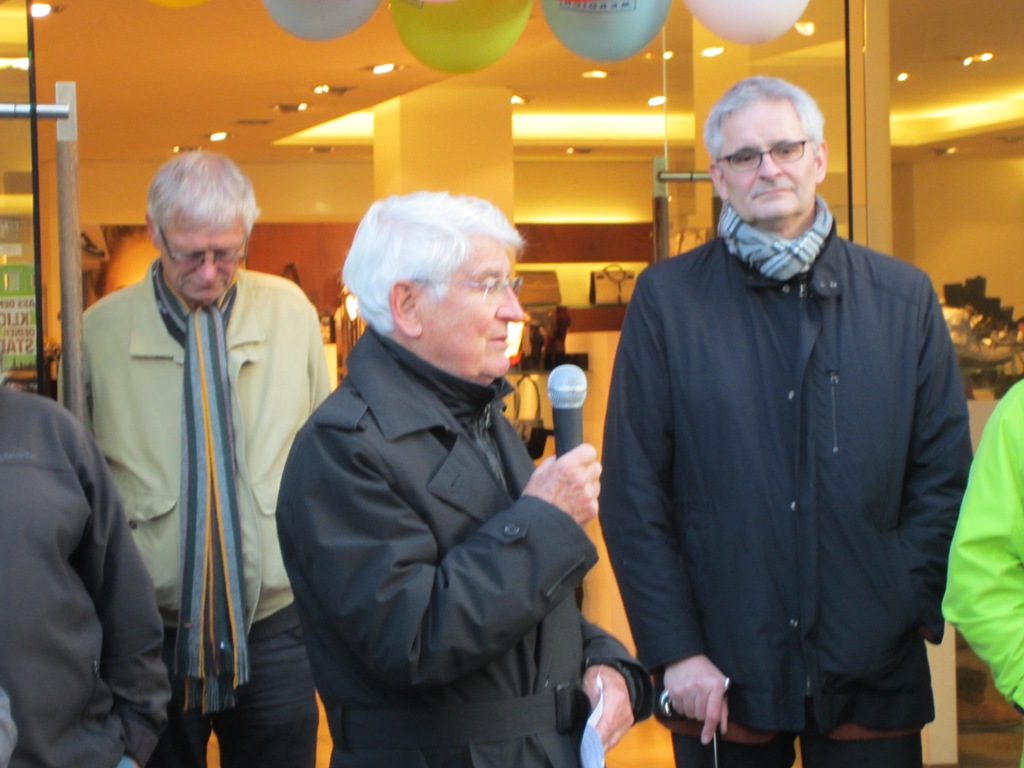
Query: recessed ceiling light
{"x": 41, "y": 10}
{"x": 943, "y": 151}
{"x": 902, "y": 77}
{"x": 656, "y": 101}
{"x": 179, "y": 148}
{"x": 578, "y": 150}
{"x": 978, "y": 57}
{"x": 595, "y": 74}
{"x": 218, "y": 136}
{"x": 285, "y": 108}
{"x": 714, "y": 50}
{"x": 805, "y": 28}
{"x": 334, "y": 90}
{"x": 383, "y": 69}
{"x": 516, "y": 99}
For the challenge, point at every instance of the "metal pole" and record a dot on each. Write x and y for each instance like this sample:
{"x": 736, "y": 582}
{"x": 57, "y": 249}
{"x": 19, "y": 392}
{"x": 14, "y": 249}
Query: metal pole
{"x": 70, "y": 254}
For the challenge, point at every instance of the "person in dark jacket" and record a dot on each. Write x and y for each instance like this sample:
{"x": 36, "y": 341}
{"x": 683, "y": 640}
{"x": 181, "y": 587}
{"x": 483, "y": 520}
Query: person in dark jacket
{"x": 785, "y": 451}
{"x": 81, "y": 635}
{"x": 433, "y": 565}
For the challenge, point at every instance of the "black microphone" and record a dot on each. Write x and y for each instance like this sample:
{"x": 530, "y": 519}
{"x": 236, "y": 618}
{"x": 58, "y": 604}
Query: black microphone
{"x": 567, "y": 389}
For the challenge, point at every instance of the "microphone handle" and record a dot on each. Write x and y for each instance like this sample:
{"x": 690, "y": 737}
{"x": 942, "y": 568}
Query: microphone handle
{"x": 568, "y": 429}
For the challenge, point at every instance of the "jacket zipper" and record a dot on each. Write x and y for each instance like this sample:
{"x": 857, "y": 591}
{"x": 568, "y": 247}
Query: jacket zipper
{"x": 833, "y": 377}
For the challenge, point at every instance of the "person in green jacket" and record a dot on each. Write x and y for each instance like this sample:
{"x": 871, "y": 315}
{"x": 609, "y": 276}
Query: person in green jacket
{"x": 985, "y": 583}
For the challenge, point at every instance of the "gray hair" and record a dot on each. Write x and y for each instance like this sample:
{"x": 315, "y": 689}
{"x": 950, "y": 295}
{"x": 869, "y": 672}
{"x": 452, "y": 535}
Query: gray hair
{"x": 201, "y": 189}
{"x": 423, "y": 236}
{"x": 754, "y": 90}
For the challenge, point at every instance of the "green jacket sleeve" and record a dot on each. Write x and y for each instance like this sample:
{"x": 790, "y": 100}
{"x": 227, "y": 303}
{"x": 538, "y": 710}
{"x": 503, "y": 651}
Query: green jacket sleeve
{"x": 985, "y": 587}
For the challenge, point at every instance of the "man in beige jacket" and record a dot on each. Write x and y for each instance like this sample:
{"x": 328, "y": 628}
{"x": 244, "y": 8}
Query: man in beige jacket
{"x": 197, "y": 379}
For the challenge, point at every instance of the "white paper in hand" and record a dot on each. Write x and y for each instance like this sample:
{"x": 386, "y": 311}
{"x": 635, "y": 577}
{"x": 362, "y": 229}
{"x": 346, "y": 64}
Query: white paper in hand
{"x": 591, "y": 751}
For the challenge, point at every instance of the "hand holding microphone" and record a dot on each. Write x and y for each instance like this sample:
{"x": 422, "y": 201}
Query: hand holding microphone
{"x": 572, "y": 480}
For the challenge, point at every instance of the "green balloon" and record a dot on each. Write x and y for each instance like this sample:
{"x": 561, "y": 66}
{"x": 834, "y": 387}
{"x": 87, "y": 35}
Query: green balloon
{"x": 460, "y": 36}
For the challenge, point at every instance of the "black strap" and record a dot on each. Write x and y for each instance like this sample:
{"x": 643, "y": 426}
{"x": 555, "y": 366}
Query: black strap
{"x": 423, "y": 727}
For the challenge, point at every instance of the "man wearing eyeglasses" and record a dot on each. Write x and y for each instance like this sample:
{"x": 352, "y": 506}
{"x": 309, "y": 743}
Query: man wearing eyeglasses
{"x": 434, "y": 565}
{"x": 197, "y": 379}
{"x": 785, "y": 450}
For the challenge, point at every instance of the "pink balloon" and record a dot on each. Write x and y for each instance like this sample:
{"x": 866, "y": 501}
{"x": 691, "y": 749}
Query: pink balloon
{"x": 747, "y": 21}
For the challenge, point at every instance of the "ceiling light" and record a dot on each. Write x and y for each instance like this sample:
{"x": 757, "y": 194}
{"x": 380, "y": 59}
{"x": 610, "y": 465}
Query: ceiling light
{"x": 595, "y": 74}
{"x": 286, "y": 108}
{"x": 668, "y": 55}
{"x": 805, "y": 28}
{"x": 943, "y": 151}
{"x": 383, "y": 69}
{"x": 179, "y": 148}
{"x": 41, "y": 10}
{"x": 714, "y": 50}
{"x": 978, "y": 57}
{"x": 517, "y": 99}
{"x": 902, "y": 77}
{"x": 656, "y": 101}
{"x": 334, "y": 90}
{"x": 578, "y": 150}
{"x": 218, "y": 136}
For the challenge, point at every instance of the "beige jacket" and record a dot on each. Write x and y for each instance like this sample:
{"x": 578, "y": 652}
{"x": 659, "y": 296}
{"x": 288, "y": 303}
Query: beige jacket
{"x": 133, "y": 389}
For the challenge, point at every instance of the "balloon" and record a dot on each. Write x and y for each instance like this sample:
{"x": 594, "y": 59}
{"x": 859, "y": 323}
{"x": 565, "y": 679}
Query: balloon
{"x": 606, "y": 31}
{"x": 177, "y": 3}
{"x": 747, "y": 21}
{"x": 462, "y": 36}
{"x": 320, "y": 19}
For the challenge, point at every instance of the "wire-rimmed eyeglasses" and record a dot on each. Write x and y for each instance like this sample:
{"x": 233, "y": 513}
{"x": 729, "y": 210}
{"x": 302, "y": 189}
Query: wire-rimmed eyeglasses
{"x": 221, "y": 256}
{"x": 493, "y": 290}
{"x": 749, "y": 159}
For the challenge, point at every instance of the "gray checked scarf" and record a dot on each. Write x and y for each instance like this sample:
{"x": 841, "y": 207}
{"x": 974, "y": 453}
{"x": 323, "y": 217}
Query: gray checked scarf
{"x": 772, "y": 256}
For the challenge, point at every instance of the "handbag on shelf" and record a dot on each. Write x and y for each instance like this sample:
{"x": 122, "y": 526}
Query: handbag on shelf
{"x": 530, "y": 428}
{"x": 540, "y": 286}
{"x": 612, "y": 285}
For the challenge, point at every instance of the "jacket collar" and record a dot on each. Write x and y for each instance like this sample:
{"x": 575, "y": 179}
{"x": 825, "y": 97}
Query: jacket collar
{"x": 826, "y": 277}
{"x": 149, "y": 336}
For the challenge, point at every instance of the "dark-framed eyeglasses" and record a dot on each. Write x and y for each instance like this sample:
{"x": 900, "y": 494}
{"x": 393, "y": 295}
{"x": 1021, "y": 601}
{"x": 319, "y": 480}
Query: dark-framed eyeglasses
{"x": 493, "y": 290}
{"x": 749, "y": 159}
{"x": 221, "y": 256}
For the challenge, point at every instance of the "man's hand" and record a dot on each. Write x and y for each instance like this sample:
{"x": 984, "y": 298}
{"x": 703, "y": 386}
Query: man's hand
{"x": 617, "y": 716}
{"x": 697, "y": 690}
{"x": 571, "y": 482}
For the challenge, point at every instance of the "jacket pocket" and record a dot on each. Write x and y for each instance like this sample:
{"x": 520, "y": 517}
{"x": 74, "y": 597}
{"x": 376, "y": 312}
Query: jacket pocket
{"x": 264, "y": 494}
{"x": 157, "y": 535}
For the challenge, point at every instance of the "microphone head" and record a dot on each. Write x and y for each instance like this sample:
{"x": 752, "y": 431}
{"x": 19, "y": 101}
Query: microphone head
{"x": 567, "y": 387}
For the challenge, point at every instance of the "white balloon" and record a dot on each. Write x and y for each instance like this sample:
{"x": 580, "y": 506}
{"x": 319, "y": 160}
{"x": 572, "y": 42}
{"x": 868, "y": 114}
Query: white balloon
{"x": 603, "y": 30}
{"x": 747, "y": 21}
{"x": 320, "y": 19}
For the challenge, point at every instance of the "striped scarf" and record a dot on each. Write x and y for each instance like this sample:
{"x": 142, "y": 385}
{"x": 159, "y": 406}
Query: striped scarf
{"x": 772, "y": 256}
{"x": 211, "y": 652}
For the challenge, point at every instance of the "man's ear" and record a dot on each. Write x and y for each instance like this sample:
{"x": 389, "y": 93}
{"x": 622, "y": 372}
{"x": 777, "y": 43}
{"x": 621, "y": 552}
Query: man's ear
{"x": 719, "y": 182}
{"x": 404, "y": 299}
{"x": 151, "y": 227}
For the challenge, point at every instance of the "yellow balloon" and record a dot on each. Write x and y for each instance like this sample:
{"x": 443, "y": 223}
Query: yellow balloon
{"x": 177, "y": 3}
{"x": 461, "y": 36}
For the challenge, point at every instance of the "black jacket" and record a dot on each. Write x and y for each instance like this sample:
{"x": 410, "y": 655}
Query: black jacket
{"x": 423, "y": 583}
{"x": 80, "y": 635}
{"x": 783, "y": 469}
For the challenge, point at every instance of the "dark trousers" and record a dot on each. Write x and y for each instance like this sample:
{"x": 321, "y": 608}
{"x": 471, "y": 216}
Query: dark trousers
{"x": 816, "y": 751}
{"x": 273, "y": 724}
